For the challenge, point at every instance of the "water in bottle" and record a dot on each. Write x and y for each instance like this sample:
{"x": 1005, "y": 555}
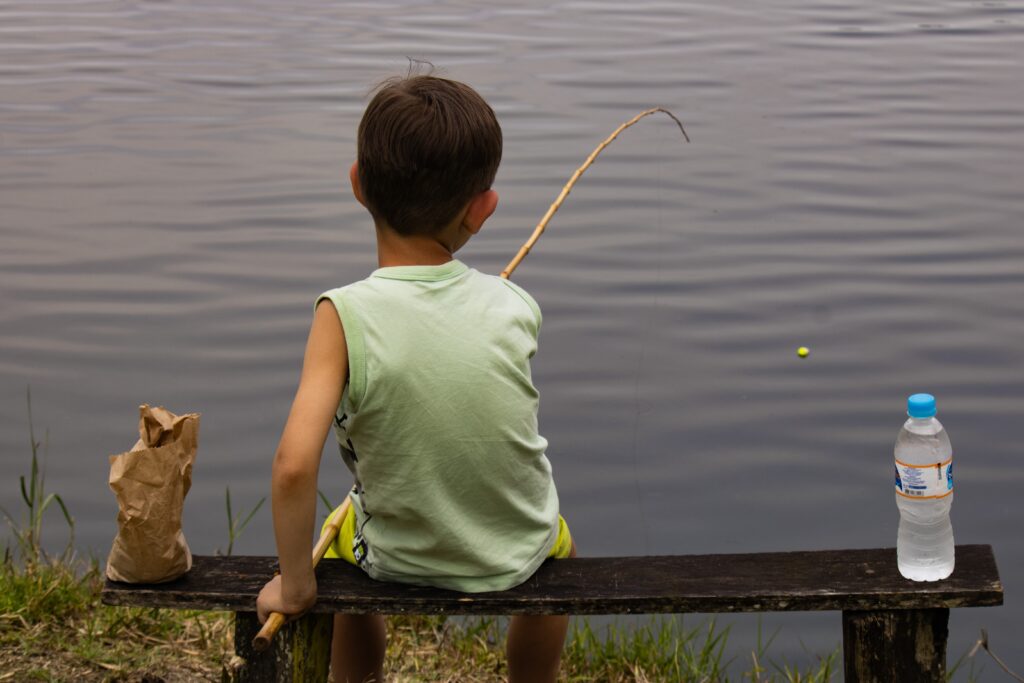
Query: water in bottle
{"x": 924, "y": 494}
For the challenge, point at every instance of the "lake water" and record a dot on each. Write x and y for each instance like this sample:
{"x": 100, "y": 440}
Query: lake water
{"x": 173, "y": 180}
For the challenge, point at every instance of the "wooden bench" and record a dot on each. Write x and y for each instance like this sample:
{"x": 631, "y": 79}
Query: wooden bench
{"x": 893, "y": 629}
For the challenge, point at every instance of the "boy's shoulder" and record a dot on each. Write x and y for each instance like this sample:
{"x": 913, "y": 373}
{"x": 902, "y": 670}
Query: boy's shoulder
{"x": 503, "y": 287}
{"x": 522, "y": 294}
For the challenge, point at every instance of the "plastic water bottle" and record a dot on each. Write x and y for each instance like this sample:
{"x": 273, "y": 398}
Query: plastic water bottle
{"x": 924, "y": 494}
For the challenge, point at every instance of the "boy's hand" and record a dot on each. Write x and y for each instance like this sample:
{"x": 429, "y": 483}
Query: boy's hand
{"x": 272, "y": 598}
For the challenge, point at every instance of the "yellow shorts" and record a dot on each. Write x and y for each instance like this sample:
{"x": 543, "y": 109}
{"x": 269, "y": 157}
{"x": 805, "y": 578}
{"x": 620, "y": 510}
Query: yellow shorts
{"x": 342, "y": 546}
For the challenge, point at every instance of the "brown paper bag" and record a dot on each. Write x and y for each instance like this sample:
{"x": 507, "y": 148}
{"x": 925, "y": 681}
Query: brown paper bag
{"x": 150, "y": 482}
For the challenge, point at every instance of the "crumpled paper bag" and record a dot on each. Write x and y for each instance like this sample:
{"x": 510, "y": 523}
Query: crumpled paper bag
{"x": 150, "y": 482}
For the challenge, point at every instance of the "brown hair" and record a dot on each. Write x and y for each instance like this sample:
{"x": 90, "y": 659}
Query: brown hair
{"x": 426, "y": 146}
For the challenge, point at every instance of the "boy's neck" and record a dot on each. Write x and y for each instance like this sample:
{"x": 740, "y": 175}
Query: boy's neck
{"x": 394, "y": 249}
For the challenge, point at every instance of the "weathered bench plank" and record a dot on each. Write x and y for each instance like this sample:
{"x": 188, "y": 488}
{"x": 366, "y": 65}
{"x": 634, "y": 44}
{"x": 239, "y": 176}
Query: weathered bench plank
{"x": 848, "y": 580}
{"x": 893, "y": 629}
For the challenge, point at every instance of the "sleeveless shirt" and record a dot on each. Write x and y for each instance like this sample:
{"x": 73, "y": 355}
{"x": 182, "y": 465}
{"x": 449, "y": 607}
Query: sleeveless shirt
{"x": 438, "y": 425}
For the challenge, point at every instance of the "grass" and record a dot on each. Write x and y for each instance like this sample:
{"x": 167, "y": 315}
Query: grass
{"x": 437, "y": 650}
{"x": 28, "y": 534}
{"x": 236, "y": 525}
{"x": 659, "y": 650}
{"x": 53, "y": 628}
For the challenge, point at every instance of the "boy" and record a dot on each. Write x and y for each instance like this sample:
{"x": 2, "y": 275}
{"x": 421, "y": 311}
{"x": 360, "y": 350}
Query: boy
{"x": 423, "y": 369}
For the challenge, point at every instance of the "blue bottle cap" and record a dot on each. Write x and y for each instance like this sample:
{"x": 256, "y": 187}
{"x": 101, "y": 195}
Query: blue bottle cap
{"x": 921, "y": 405}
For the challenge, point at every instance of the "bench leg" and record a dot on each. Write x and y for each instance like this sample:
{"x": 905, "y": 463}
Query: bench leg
{"x": 895, "y": 645}
{"x": 300, "y": 652}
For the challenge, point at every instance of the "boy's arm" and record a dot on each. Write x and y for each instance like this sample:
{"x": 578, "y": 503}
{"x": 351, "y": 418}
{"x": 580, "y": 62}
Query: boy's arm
{"x": 297, "y": 462}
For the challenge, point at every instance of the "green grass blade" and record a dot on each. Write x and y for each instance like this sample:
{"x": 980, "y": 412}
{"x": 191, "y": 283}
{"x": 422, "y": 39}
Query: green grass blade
{"x": 249, "y": 516}
{"x": 24, "y": 493}
{"x": 64, "y": 508}
{"x": 31, "y": 430}
{"x": 227, "y": 499}
{"x": 326, "y": 502}
{"x": 46, "y": 503}
{"x": 35, "y": 478}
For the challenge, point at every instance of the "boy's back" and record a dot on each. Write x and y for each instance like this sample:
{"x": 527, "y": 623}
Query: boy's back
{"x": 439, "y": 426}
{"x": 423, "y": 368}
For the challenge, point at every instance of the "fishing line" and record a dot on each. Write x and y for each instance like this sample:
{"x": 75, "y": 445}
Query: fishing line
{"x": 643, "y": 356}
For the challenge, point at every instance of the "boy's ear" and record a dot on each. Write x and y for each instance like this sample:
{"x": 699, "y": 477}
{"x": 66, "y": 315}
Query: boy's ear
{"x": 479, "y": 210}
{"x": 353, "y": 176}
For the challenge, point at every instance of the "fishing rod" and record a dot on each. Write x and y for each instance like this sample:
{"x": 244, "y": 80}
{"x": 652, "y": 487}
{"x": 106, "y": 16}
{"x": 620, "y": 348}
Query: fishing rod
{"x": 539, "y": 230}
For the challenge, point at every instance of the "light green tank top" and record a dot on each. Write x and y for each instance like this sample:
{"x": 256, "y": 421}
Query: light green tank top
{"x": 438, "y": 424}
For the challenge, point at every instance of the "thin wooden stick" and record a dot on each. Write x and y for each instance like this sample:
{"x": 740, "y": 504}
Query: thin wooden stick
{"x": 276, "y": 620}
{"x": 539, "y": 230}
{"x": 983, "y": 642}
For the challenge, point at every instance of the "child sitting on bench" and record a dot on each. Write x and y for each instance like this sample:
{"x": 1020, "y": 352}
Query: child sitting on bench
{"x": 423, "y": 369}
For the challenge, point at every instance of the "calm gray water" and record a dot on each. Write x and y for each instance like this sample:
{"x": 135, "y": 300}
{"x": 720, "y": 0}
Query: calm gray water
{"x": 173, "y": 197}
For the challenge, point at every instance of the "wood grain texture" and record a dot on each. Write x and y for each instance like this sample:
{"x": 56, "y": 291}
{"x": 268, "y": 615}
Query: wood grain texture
{"x": 301, "y": 651}
{"x": 908, "y": 646}
{"x": 760, "y": 582}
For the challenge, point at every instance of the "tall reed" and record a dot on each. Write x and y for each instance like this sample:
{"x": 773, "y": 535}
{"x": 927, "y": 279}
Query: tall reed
{"x": 28, "y": 533}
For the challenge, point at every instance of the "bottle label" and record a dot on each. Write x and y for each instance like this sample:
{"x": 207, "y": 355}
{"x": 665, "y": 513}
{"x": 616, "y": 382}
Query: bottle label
{"x": 924, "y": 481}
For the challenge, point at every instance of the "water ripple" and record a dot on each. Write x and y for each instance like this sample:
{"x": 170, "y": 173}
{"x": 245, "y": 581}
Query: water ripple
{"x": 174, "y": 195}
